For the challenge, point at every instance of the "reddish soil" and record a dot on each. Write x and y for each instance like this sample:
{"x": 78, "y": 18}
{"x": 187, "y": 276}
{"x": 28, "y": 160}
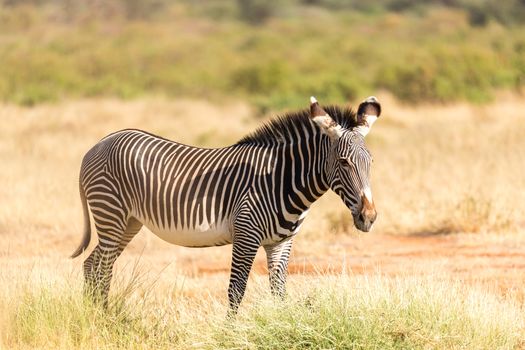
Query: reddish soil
{"x": 496, "y": 261}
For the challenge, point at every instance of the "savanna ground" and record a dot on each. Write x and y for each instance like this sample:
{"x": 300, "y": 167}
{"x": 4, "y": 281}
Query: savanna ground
{"x": 444, "y": 266}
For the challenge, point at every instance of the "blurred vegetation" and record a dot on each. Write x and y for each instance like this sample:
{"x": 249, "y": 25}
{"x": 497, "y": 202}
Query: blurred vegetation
{"x": 273, "y": 52}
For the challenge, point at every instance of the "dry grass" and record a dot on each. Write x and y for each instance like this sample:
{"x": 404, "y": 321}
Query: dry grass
{"x": 451, "y": 169}
{"x": 437, "y": 170}
{"x": 46, "y": 310}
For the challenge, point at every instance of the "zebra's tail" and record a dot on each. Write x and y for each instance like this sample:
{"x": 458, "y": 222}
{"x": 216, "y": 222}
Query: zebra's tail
{"x": 86, "y": 238}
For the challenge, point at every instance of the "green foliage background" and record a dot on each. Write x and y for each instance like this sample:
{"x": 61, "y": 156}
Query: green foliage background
{"x": 273, "y": 53}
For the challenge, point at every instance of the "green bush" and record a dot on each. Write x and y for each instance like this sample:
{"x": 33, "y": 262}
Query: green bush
{"x": 258, "y": 11}
{"x": 261, "y": 78}
{"x": 185, "y": 50}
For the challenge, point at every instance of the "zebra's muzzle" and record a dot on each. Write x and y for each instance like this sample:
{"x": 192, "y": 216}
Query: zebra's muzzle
{"x": 367, "y": 215}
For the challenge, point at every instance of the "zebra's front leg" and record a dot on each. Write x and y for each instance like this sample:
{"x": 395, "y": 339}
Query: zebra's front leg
{"x": 244, "y": 251}
{"x": 277, "y": 256}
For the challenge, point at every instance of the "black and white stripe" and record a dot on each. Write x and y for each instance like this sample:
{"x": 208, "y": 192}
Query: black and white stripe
{"x": 254, "y": 193}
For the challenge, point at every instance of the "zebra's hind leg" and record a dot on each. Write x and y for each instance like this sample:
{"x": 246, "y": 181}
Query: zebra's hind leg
{"x": 97, "y": 273}
{"x": 277, "y": 256}
{"x": 98, "y": 267}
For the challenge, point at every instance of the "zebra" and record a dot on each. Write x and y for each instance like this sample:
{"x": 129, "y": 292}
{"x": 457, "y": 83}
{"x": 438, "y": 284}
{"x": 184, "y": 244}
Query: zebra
{"x": 256, "y": 192}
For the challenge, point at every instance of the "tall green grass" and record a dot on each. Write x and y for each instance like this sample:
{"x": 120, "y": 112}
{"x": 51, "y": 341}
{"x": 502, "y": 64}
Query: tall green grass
{"x": 330, "y": 312}
{"x": 336, "y": 53}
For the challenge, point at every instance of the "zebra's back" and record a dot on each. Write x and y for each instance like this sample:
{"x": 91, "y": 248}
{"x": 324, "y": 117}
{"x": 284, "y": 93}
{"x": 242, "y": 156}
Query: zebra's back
{"x": 186, "y": 195}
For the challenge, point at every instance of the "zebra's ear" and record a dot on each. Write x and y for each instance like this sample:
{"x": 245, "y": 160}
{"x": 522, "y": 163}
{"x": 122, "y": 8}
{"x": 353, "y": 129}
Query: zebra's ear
{"x": 325, "y": 122}
{"x": 367, "y": 113}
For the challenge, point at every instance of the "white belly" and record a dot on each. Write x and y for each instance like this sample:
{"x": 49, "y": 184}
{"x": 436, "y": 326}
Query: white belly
{"x": 203, "y": 235}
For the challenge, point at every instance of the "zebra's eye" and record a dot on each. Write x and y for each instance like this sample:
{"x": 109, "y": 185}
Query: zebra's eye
{"x": 344, "y": 162}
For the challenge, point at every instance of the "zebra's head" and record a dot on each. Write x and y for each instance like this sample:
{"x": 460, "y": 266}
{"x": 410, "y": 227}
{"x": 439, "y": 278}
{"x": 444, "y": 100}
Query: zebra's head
{"x": 348, "y": 161}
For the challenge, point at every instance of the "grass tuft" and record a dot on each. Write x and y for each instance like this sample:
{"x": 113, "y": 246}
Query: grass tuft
{"x": 323, "y": 311}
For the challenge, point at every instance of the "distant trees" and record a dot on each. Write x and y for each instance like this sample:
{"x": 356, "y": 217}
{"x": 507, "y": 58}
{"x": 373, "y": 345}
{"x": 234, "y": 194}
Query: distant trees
{"x": 341, "y": 50}
{"x": 257, "y": 12}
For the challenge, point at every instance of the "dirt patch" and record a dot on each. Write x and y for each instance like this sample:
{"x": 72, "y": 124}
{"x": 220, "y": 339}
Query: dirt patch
{"x": 494, "y": 261}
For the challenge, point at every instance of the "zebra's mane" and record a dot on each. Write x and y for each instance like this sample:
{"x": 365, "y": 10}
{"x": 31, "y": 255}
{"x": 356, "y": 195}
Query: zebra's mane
{"x": 281, "y": 128}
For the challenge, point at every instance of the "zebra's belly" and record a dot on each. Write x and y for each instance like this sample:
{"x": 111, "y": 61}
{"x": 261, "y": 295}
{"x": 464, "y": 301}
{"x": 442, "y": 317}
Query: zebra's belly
{"x": 203, "y": 235}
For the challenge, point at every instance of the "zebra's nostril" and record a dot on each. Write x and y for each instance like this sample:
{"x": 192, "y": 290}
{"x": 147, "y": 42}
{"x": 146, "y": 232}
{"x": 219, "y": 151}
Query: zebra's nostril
{"x": 361, "y": 217}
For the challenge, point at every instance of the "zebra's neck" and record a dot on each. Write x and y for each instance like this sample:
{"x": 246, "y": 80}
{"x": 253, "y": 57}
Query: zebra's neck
{"x": 306, "y": 162}
{"x": 300, "y": 168}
